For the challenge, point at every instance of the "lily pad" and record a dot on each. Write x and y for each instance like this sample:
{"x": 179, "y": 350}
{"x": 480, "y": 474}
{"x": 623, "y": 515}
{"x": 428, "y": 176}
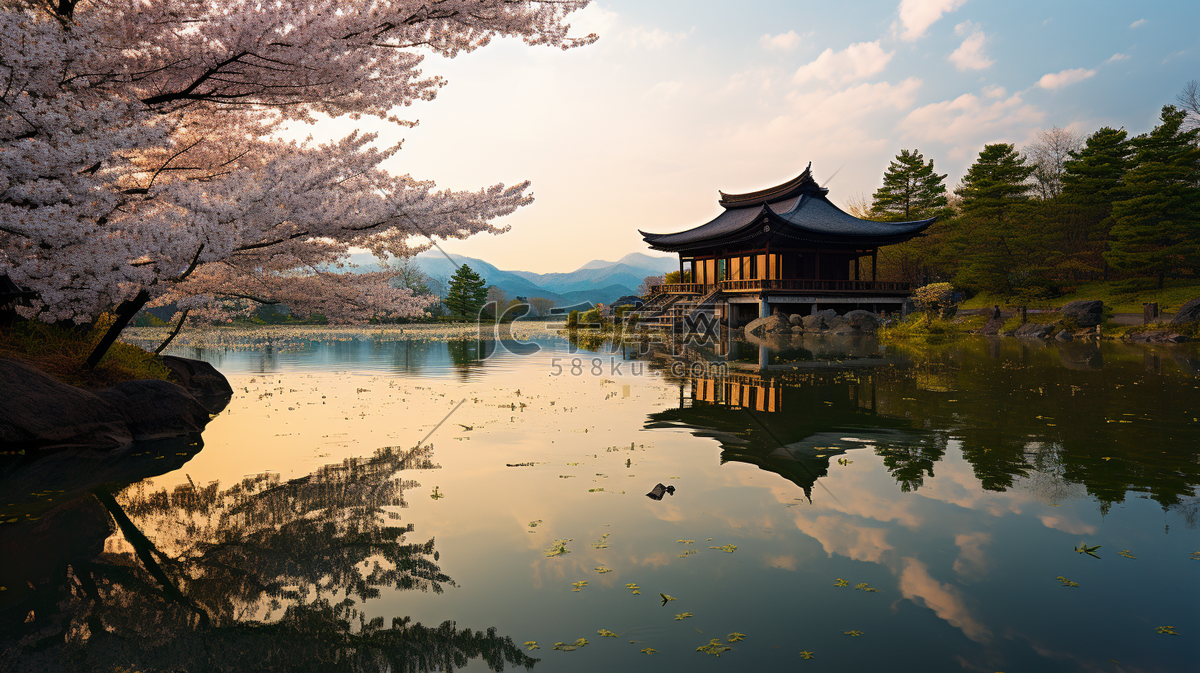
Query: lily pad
{"x": 727, "y": 548}
{"x": 853, "y": 634}
{"x": 736, "y": 637}
{"x": 605, "y": 633}
{"x": 564, "y": 647}
{"x": 532, "y": 645}
{"x": 579, "y": 585}
{"x": 806, "y": 655}
{"x": 714, "y": 647}
{"x": 841, "y": 583}
{"x": 559, "y": 547}
{"x": 1167, "y": 630}
{"x": 683, "y": 615}
{"x": 648, "y": 650}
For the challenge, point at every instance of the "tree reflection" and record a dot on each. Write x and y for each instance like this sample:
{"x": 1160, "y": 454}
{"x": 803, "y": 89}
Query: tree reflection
{"x": 265, "y": 574}
{"x": 1114, "y": 419}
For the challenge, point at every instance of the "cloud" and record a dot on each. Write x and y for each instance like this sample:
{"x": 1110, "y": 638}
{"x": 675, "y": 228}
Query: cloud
{"x": 995, "y": 91}
{"x": 1139, "y": 22}
{"x": 918, "y": 15}
{"x": 1057, "y": 80}
{"x": 637, "y": 36}
{"x": 838, "y": 536}
{"x": 969, "y": 121}
{"x": 781, "y": 42}
{"x": 969, "y": 55}
{"x": 943, "y": 599}
{"x": 1118, "y": 57}
{"x": 971, "y": 562}
{"x": 1067, "y": 525}
{"x": 858, "y": 61}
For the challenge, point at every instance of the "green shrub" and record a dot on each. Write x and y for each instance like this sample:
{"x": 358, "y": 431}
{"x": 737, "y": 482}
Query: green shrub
{"x": 60, "y": 352}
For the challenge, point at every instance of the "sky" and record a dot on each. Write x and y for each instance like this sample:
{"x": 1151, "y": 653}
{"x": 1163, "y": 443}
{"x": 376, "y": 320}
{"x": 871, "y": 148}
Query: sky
{"x": 681, "y": 98}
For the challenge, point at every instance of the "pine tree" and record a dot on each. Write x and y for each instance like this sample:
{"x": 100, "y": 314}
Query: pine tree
{"x": 467, "y": 293}
{"x": 997, "y": 244}
{"x": 911, "y": 190}
{"x": 1092, "y": 181}
{"x": 1156, "y": 228}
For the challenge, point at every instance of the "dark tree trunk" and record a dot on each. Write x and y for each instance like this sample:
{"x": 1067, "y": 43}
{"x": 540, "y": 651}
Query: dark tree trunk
{"x": 175, "y": 331}
{"x": 125, "y": 313}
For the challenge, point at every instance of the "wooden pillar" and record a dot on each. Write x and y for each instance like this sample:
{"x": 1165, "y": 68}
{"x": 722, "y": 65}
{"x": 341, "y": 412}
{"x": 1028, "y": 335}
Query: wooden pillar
{"x": 817, "y": 264}
{"x": 681, "y": 267}
{"x": 874, "y": 264}
{"x": 856, "y": 268}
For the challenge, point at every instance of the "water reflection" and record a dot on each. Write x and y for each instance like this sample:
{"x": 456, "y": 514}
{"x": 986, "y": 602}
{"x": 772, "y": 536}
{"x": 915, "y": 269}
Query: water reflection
{"x": 1110, "y": 418}
{"x": 260, "y": 574}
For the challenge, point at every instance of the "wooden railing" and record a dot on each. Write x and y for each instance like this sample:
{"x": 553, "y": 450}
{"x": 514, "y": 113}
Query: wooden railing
{"x": 784, "y": 284}
{"x": 679, "y": 288}
{"x": 813, "y": 285}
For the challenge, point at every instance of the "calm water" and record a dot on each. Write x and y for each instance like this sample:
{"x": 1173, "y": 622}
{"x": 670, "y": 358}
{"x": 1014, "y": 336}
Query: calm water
{"x": 381, "y": 505}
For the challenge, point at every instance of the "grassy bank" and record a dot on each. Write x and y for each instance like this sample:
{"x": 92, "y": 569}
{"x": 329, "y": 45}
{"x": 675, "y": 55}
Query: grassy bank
{"x": 60, "y": 352}
{"x": 918, "y": 326}
{"x": 1114, "y": 294}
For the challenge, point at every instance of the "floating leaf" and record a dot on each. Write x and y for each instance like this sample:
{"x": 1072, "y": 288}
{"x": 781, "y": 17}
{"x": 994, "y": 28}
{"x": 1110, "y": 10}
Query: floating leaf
{"x": 806, "y": 655}
{"x": 602, "y": 570}
{"x": 686, "y": 541}
{"x": 1066, "y": 582}
{"x": 648, "y": 650}
{"x": 559, "y": 548}
{"x": 841, "y": 583}
{"x": 853, "y": 634}
{"x": 865, "y": 587}
{"x": 595, "y": 490}
{"x": 844, "y": 461}
{"x": 579, "y": 585}
{"x": 533, "y": 524}
{"x": 1126, "y": 553}
{"x": 601, "y": 543}
{"x": 1167, "y": 630}
{"x": 1195, "y": 556}
{"x": 682, "y": 616}
{"x": 666, "y": 598}
{"x": 1083, "y": 548}
{"x": 729, "y": 548}
{"x": 736, "y": 637}
{"x": 563, "y": 647}
{"x": 714, "y": 646}
{"x": 631, "y": 585}
{"x": 532, "y": 645}
{"x": 436, "y": 495}
{"x": 605, "y": 633}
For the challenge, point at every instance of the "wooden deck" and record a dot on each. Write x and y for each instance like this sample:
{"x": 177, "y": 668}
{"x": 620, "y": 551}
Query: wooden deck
{"x": 800, "y": 285}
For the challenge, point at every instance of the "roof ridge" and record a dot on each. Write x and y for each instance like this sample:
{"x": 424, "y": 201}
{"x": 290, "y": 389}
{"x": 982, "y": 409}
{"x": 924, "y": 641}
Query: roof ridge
{"x": 802, "y": 182}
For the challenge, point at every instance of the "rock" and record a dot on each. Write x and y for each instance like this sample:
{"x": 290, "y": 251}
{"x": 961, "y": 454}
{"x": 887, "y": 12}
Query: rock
{"x": 772, "y": 324}
{"x": 1188, "y": 313}
{"x": 202, "y": 380}
{"x": 813, "y": 323}
{"x": 1063, "y": 335}
{"x": 40, "y": 412}
{"x": 155, "y": 409}
{"x": 796, "y": 319}
{"x": 797, "y": 329}
{"x": 1085, "y": 312}
{"x": 1158, "y": 337}
{"x": 828, "y": 314}
{"x": 1033, "y": 330}
{"x": 864, "y": 321}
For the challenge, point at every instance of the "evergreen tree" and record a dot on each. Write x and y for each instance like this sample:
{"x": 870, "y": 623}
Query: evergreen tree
{"x": 1092, "y": 181}
{"x": 998, "y": 245}
{"x": 468, "y": 291}
{"x": 911, "y": 190}
{"x": 1156, "y": 228}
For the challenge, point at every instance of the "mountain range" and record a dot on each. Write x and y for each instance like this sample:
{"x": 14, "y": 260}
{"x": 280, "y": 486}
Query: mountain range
{"x": 598, "y": 281}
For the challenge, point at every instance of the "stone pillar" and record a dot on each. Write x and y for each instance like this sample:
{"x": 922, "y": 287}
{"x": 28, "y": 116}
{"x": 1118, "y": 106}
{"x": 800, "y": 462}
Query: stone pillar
{"x": 763, "y": 309}
{"x": 763, "y": 354}
{"x": 1149, "y": 312}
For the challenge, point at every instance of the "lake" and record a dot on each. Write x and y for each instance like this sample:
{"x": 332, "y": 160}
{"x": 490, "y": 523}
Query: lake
{"x": 410, "y": 501}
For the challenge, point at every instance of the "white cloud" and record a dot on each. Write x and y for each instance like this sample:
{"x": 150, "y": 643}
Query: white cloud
{"x": 781, "y": 42}
{"x": 1057, "y": 80}
{"x": 637, "y": 36}
{"x": 995, "y": 91}
{"x": 859, "y": 60}
{"x": 918, "y": 15}
{"x": 969, "y": 121}
{"x": 969, "y": 55}
{"x": 1118, "y": 57}
{"x": 1139, "y": 22}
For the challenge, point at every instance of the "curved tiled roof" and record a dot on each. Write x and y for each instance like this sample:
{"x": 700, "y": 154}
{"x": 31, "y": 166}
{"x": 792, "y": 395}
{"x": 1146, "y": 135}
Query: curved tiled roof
{"x": 803, "y": 210}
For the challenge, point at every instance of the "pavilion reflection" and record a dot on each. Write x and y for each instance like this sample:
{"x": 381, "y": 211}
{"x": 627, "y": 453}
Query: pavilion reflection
{"x": 795, "y": 426}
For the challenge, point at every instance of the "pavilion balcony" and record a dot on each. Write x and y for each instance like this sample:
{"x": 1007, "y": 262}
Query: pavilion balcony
{"x": 806, "y": 285}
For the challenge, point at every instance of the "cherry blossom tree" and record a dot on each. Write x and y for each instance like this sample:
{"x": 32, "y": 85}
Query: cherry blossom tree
{"x": 141, "y": 158}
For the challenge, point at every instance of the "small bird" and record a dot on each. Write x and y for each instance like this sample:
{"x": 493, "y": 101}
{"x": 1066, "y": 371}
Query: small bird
{"x": 1083, "y": 548}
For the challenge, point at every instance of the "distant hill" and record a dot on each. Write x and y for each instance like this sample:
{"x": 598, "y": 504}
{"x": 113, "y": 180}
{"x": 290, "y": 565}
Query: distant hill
{"x": 597, "y": 281}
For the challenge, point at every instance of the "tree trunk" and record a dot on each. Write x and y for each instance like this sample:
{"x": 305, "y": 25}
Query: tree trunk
{"x": 175, "y": 331}
{"x": 125, "y": 313}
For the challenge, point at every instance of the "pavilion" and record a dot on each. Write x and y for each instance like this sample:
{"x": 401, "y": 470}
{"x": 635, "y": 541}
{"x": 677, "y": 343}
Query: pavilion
{"x": 786, "y": 248}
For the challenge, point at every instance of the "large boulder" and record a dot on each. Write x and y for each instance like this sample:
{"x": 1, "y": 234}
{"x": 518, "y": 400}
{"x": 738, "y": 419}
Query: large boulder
{"x": 1188, "y": 313}
{"x": 820, "y": 320}
{"x": 796, "y": 319}
{"x": 155, "y": 409}
{"x": 1033, "y": 330}
{"x": 864, "y": 321}
{"x": 772, "y": 324}
{"x": 1085, "y": 312}
{"x": 202, "y": 380}
{"x": 40, "y": 412}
